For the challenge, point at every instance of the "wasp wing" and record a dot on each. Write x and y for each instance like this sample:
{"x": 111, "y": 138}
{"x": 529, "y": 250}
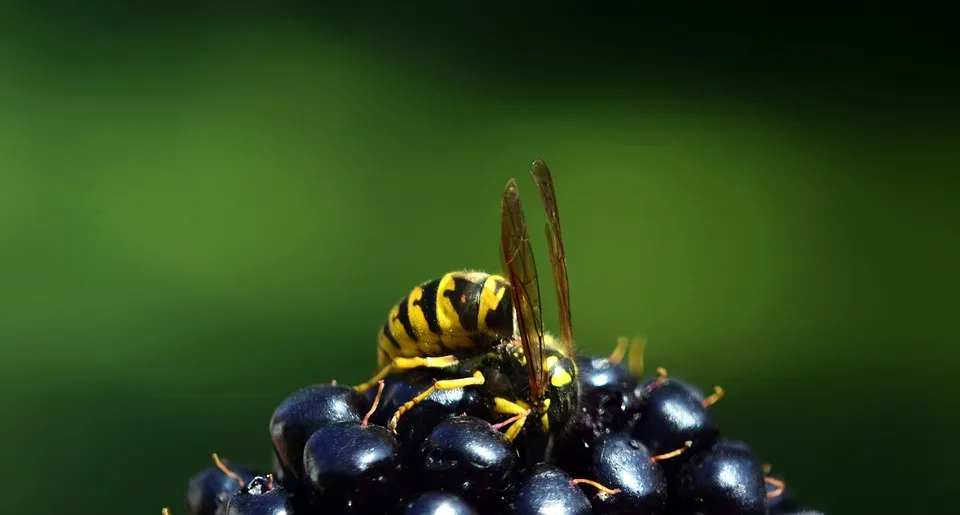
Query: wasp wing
{"x": 521, "y": 271}
{"x": 541, "y": 175}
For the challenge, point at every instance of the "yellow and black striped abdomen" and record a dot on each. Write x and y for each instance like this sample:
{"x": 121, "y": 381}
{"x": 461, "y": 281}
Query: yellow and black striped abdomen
{"x": 457, "y": 312}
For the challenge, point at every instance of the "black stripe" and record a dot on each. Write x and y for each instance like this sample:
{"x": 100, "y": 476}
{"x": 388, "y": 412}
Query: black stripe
{"x": 404, "y": 319}
{"x": 428, "y": 305}
{"x": 386, "y": 332}
{"x": 500, "y": 318}
{"x": 465, "y": 297}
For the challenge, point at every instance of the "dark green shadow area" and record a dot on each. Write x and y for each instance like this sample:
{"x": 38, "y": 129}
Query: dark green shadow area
{"x": 204, "y": 207}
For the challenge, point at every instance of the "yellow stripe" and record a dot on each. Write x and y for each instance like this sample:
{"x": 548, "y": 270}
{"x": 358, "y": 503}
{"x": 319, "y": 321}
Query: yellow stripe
{"x": 408, "y": 347}
{"x": 447, "y": 317}
{"x": 488, "y": 301}
{"x": 429, "y": 343}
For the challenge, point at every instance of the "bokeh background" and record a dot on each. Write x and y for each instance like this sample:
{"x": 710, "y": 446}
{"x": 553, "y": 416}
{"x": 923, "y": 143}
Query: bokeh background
{"x": 206, "y": 205}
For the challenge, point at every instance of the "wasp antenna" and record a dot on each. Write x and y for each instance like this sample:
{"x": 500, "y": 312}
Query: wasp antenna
{"x": 511, "y": 420}
{"x": 779, "y": 487}
{"x": 620, "y": 351}
{"x": 635, "y": 358}
{"x": 672, "y": 454}
{"x": 373, "y": 407}
{"x": 601, "y": 489}
{"x": 223, "y": 468}
{"x": 717, "y": 394}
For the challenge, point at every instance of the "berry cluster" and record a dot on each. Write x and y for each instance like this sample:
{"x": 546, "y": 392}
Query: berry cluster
{"x": 638, "y": 447}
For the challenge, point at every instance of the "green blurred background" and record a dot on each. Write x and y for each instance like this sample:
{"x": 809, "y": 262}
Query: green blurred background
{"x": 206, "y": 205}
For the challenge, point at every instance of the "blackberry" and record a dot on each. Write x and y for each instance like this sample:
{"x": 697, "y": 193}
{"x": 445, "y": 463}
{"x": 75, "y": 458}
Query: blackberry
{"x": 633, "y": 447}
{"x": 306, "y": 411}
{"x": 354, "y": 467}
{"x": 435, "y": 503}
{"x": 469, "y": 457}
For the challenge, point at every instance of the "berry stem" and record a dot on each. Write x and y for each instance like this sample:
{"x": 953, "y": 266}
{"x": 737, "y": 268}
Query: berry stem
{"x": 661, "y": 378}
{"x": 373, "y": 407}
{"x": 223, "y": 468}
{"x": 601, "y": 488}
{"x": 780, "y": 486}
{"x": 672, "y": 454}
{"x": 717, "y": 394}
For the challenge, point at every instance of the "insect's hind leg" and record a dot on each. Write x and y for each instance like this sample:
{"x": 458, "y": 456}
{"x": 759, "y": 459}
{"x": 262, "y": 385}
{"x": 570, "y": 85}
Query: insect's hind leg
{"x": 442, "y": 384}
{"x": 403, "y": 364}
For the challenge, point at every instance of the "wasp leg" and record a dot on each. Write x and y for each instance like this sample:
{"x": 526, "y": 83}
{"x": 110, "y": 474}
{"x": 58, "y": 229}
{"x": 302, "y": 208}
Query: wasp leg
{"x": 501, "y": 405}
{"x": 443, "y": 384}
{"x": 401, "y": 364}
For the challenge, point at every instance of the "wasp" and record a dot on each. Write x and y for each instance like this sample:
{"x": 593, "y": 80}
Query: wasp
{"x": 529, "y": 376}
{"x": 460, "y": 312}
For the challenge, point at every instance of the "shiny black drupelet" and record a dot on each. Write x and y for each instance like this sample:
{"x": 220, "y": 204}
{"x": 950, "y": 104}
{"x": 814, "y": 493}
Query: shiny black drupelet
{"x": 620, "y": 462}
{"x": 306, "y": 411}
{"x": 434, "y": 502}
{"x": 467, "y": 456}
{"x": 354, "y": 468}
{"x": 672, "y": 413}
{"x": 208, "y": 489}
{"x": 725, "y": 479}
{"x": 261, "y": 496}
{"x": 547, "y": 489}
